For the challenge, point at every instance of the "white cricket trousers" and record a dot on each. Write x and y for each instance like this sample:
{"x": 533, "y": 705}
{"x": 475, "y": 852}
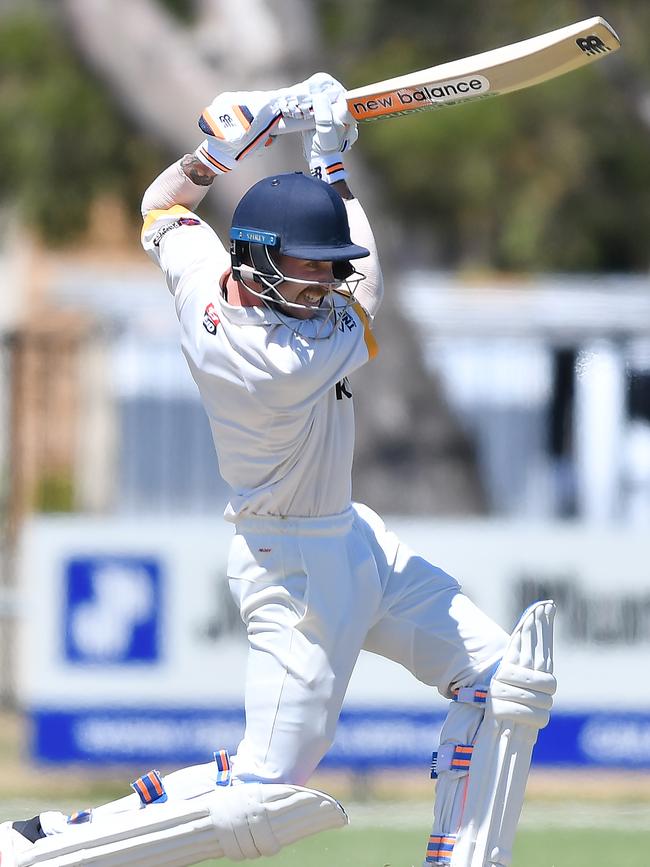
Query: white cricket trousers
{"x": 313, "y": 592}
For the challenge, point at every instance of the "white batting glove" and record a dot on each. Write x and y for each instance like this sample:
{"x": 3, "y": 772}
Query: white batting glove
{"x": 335, "y": 129}
{"x": 296, "y": 101}
{"x": 237, "y": 124}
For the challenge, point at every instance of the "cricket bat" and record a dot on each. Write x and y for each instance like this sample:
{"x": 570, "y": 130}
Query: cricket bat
{"x": 492, "y": 73}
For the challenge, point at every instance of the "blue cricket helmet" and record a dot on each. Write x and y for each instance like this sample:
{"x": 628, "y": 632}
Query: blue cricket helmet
{"x": 296, "y": 215}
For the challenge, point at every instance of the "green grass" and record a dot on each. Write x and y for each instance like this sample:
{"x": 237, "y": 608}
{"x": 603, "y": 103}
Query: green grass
{"x": 550, "y": 847}
{"x": 587, "y": 847}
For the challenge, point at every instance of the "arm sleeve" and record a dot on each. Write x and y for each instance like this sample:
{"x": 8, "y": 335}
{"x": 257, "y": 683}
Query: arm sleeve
{"x": 371, "y": 290}
{"x": 172, "y": 187}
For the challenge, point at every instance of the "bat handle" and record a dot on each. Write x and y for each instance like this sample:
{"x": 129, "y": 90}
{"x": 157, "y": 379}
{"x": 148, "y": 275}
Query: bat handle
{"x": 291, "y": 124}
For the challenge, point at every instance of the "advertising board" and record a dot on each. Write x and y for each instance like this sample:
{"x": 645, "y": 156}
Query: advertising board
{"x": 131, "y": 648}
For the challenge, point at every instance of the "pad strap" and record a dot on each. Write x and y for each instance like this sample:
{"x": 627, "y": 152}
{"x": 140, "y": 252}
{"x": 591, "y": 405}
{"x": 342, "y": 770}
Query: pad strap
{"x": 80, "y": 817}
{"x": 451, "y": 757}
{"x": 224, "y": 768}
{"x": 471, "y": 694}
{"x": 149, "y": 788}
{"x": 440, "y": 849}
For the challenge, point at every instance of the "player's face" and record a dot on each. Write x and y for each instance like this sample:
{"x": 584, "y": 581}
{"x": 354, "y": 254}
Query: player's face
{"x": 311, "y": 295}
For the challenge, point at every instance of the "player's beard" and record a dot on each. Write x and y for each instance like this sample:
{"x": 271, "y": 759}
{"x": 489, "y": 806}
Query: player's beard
{"x": 308, "y": 309}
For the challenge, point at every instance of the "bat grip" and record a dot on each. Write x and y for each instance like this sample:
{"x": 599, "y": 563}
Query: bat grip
{"x": 290, "y": 124}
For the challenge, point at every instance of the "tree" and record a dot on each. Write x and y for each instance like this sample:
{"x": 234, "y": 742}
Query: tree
{"x": 64, "y": 142}
{"x": 552, "y": 178}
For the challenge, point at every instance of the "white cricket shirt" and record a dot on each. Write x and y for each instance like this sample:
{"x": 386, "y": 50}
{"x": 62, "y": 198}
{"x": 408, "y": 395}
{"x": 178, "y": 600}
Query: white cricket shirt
{"x": 279, "y": 403}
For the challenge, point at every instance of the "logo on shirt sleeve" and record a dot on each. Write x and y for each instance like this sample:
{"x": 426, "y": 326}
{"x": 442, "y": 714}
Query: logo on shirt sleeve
{"x": 210, "y": 319}
{"x": 175, "y": 224}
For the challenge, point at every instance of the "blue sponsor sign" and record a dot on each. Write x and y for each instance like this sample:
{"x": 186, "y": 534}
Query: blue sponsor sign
{"x": 365, "y": 740}
{"x": 112, "y": 610}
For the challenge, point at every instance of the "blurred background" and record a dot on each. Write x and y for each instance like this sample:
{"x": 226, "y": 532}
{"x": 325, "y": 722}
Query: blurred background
{"x": 504, "y": 429}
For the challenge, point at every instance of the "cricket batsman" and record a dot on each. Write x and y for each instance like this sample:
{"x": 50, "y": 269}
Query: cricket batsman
{"x": 274, "y": 320}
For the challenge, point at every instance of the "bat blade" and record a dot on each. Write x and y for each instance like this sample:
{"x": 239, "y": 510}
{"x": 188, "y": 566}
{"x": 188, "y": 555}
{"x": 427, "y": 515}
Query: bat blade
{"x": 491, "y": 73}
{"x": 495, "y": 72}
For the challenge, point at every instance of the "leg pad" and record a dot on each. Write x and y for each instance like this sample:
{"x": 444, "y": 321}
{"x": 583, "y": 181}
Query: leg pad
{"x": 478, "y": 803}
{"x": 239, "y": 822}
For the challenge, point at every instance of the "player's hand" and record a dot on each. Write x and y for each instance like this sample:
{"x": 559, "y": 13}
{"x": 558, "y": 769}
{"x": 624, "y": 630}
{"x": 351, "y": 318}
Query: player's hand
{"x": 335, "y": 129}
{"x": 296, "y": 102}
{"x": 238, "y": 125}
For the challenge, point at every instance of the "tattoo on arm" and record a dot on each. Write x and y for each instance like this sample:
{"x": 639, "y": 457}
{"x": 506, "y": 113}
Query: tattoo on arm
{"x": 197, "y": 172}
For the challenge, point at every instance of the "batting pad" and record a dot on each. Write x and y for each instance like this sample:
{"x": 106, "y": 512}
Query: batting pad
{"x": 239, "y": 822}
{"x": 476, "y": 814}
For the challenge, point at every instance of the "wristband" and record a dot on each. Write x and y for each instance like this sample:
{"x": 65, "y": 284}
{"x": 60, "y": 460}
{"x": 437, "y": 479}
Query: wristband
{"x": 328, "y": 167}
{"x": 214, "y": 157}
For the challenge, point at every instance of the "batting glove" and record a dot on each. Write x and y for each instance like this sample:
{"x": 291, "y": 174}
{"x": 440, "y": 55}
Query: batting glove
{"x": 238, "y": 125}
{"x": 296, "y": 101}
{"x": 335, "y": 130}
